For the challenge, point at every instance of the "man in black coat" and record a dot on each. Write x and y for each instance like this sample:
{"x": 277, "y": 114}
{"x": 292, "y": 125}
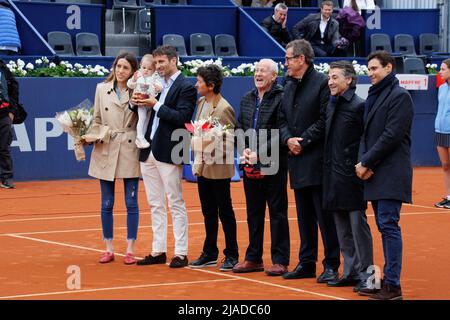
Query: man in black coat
{"x": 275, "y": 25}
{"x": 343, "y": 192}
{"x": 322, "y": 31}
{"x": 302, "y": 129}
{"x": 162, "y": 174}
{"x": 259, "y": 111}
{"x": 9, "y": 98}
{"x": 385, "y": 163}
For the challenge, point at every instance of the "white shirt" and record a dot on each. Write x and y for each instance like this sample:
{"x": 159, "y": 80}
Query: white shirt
{"x": 323, "y": 26}
{"x": 362, "y": 4}
{"x": 166, "y": 85}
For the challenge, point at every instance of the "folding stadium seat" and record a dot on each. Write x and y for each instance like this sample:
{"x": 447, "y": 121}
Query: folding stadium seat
{"x": 201, "y": 45}
{"x": 144, "y": 31}
{"x": 225, "y": 45}
{"x": 404, "y": 44}
{"x": 149, "y": 3}
{"x": 380, "y": 41}
{"x": 61, "y": 42}
{"x": 429, "y": 43}
{"x": 177, "y": 41}
{"x": 87, "y": 44}
{"x": 144, "y": 21}
{"x": 414, "y": 66}
{"x": 176, "y": 2}
{"x": 125, "y": 4}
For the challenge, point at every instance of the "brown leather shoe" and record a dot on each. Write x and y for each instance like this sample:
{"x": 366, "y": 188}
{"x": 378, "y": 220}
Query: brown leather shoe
{"x": 248, "y": 266}
{"x": 277, "y": 270}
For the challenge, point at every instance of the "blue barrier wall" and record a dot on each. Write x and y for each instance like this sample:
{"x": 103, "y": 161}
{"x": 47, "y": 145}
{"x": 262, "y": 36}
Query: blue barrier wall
{"x": 256, "y": 41}
{"x": 58, "y": 14}
{"x": 32, "y": 42}
{"x": 41, "y": 150}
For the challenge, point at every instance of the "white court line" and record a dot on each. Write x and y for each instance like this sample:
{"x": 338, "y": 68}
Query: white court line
{"x": 200, "y": 270}
{"x": 269, "y": 284}
{"x": 113, "y": 288}
{"x": 170, "y": 225}
{"x": 194, "y": 210}
{"x": 76, "y": 217}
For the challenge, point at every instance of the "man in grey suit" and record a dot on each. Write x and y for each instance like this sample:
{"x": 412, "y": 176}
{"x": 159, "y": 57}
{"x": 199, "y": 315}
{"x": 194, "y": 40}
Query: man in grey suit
{"x": 343, "y": 191}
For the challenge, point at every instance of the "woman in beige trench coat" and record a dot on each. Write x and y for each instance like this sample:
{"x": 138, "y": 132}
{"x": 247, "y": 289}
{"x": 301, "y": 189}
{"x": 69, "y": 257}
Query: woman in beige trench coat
{"x": 115, "y": 155}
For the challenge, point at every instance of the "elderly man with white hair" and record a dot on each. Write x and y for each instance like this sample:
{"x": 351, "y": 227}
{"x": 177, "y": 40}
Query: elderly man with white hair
{"x": 259, "y": 110}
{"x": 275, "y": 24}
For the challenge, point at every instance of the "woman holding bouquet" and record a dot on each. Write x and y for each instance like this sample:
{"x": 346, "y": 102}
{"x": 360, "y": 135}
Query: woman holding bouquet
{"x": 115, "y": 155}
{"x": 214, "y": 173}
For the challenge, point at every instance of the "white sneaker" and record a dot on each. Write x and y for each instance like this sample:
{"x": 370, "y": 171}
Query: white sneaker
{"x": 142, "y": 143}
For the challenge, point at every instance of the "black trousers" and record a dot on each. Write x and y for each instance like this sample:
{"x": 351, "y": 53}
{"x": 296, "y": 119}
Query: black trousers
{"x": 216, "y": 203}
{"x": 273, "y": 191}
{"x": 6, "y": 170}
{"x": 309, "y": 213}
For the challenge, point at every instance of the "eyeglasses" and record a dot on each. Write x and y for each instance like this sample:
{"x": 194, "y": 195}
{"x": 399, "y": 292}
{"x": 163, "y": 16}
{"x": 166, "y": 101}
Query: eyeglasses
{"x": 288, "y": 59}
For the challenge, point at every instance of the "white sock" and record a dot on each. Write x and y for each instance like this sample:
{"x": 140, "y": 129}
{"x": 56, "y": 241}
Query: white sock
{"x": 130, "y": 248}
{"x": 448, "y": 197}
{"x": 155, "y": 254}
{"x": 109, "y": 245}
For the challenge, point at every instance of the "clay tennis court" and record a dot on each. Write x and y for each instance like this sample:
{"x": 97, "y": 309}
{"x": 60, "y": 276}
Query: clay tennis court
{"x": 45, "y": 227}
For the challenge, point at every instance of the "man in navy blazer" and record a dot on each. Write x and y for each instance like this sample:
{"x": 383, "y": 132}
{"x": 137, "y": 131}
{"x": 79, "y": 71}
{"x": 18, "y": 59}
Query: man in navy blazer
{"x": 162, "y": 175}
{"x": 385, "y": 164}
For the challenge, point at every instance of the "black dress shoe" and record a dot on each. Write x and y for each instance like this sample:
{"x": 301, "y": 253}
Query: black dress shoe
{"x": 344, "y": 282}
{"x": 178, "y": 262}
{"x": 364, "y": 290}
{"x": 327, "y": 276}
{"x": 203, "y": 261}
{"x": 161, "y": 259}
{"x": 301, "y": 272}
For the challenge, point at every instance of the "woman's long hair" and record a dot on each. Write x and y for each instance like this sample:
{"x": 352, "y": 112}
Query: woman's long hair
{"x": 132, "y": 60}
{"x": 355, "y": 6}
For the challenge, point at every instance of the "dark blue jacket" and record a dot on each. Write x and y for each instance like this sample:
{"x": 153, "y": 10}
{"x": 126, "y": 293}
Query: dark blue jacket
{"x": 386, "y": 146}
{"x": 177, "y": 110}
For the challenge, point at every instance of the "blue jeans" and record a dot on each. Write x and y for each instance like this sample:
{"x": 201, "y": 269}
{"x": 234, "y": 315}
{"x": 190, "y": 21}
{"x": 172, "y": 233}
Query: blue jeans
{"x": 387, "y": 215}
{"x": 131, "y": 202}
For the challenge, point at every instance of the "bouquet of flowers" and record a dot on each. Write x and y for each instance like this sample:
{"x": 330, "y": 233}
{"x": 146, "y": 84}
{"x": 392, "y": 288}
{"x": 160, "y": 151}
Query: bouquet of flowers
{"x": 209, "y": 135}
{"x": 76, "y": 122}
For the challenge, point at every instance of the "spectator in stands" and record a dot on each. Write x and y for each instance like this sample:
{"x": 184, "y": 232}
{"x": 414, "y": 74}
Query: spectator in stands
{"x": 9, "y": 97}
{"x": 259, "y": 111}
{"x": 359, "y": 5}
{"x": 214, "y": 172}
{"x": 322, "y": 31}
{"x": 161, "y": 174}
{"x": 385, "y": 164}
{"x": 343, "y": 192}
{"x": 9, "y": 36}
{"x": 351, "y": 26}
{"x": 302, "y": 130}
{"x": 276, "y": 25}
{"x": 115, "y": 156}
{"x": 442, "y": 128}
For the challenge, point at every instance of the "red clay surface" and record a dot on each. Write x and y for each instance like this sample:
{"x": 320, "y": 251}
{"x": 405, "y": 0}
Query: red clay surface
{"x": 45, "y": 227}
